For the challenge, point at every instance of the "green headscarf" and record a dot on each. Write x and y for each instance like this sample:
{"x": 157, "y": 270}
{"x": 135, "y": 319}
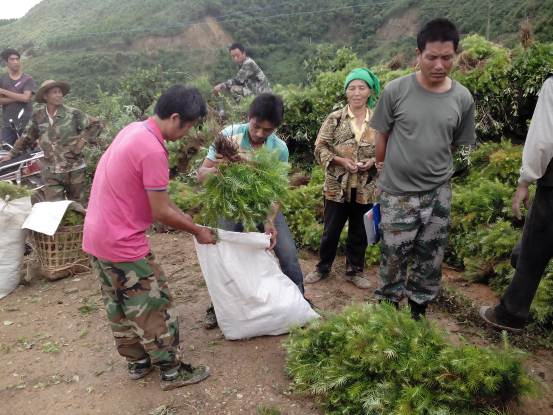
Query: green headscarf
{"x": 370, "y": 78}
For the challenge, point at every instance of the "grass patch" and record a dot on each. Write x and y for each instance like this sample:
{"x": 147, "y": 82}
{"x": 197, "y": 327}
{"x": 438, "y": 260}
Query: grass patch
{"x": 88, "y": 308}
{"x": 50, "y": 347}
{"x": 267, "y": 410}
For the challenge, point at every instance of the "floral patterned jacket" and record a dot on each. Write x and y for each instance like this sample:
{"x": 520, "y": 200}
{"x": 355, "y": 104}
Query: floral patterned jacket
{"x": 336, "y": 138}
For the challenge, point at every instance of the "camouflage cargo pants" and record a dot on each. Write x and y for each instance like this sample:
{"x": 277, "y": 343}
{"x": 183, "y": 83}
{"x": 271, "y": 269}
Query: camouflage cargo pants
{"x": 240, "y": 91}
{"x": 59, "y": 185}
{"x": 414, "y": 237}
{"x": 138, "y": 305}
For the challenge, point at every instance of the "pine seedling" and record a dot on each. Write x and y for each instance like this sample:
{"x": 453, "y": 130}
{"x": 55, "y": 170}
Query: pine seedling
{"x": 244, "y": 192}
{"x": 375, "y": 360}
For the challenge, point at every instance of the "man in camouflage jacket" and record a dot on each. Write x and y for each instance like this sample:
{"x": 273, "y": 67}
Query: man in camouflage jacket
{"x": 250, "y": 79}
{"x": 61, "y": 133}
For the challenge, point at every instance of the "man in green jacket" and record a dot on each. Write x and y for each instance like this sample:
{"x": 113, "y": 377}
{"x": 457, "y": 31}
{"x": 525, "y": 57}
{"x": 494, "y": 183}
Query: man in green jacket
{"x": 250, "y": 79}
{"x": 61, "y": 133}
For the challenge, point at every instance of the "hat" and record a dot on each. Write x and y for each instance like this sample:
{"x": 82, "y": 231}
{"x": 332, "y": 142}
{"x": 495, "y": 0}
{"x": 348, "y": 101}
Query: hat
{"x": 370, "y": 78}
{"x": 49, "y": 84}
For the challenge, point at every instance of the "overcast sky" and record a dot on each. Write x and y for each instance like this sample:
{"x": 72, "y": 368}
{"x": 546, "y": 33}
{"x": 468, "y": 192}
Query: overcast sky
{"x": 15, "y": 8}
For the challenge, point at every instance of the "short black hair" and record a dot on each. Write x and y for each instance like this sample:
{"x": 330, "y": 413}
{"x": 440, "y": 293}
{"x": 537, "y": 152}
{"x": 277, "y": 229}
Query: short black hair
{"x": 187, "y": 102}
{"x": 438, "y": 30}
{"x": 267, "y": 107}
{"x": 238, "y": 46}
{"x": 6, "y": 53}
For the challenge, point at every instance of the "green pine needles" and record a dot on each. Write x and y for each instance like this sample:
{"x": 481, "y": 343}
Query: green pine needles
{"x": 9, "y": 191}
{"x": 244, "y": 192}
{"x": 375, "y": 360}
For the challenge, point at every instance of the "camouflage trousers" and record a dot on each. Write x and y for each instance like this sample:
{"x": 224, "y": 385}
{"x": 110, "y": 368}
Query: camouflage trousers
{"x": 58, "y": 186}
{"x": 238, "y": 91}
{"x": 414, "y": 236}
{"x": 138, "y": 305}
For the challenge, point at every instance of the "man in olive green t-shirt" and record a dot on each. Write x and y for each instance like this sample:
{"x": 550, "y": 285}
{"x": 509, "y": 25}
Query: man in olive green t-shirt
{"x": 420, "y": 119}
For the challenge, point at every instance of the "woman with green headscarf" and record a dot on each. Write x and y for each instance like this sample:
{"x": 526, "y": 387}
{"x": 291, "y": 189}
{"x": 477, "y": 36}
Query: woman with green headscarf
{"x": 345, "y": 148}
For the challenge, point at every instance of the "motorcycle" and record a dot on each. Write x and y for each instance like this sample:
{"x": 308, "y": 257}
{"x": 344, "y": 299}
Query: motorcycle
{"x": 25, "y": 169}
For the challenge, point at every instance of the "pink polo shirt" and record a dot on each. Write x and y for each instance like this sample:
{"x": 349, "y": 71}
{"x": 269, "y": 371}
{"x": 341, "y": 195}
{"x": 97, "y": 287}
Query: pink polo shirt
{"x": 119, "y": 212}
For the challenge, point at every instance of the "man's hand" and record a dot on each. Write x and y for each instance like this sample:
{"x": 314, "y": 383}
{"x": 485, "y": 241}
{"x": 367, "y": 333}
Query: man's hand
{"x": 521, "y": 195}
{"x": 7, "y": 157}
{"x": 379, "y": 166}
{"x": 367, "y": 165}
{"x": 271, "y": 230}
{"x": 217, "y": 89}
{"x": 80, "y": 144}
{"x": 237, "y": 158}
{"x": 205, "y": 236}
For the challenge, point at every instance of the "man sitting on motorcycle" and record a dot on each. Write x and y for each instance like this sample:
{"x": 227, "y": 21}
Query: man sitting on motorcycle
{"x": 61, "y": 132}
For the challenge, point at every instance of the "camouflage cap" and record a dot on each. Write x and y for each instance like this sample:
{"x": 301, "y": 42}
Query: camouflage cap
{"x": 49, "y": 84}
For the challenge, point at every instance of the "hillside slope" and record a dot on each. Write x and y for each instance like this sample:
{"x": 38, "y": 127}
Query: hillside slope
{"x": 97, "y": 43}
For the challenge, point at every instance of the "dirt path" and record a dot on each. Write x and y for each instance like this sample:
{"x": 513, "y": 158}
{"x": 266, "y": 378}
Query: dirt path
{"x": 58, "y": 356}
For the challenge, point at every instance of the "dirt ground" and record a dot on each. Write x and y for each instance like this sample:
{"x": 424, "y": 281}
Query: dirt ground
{"x": 58, "y": 356}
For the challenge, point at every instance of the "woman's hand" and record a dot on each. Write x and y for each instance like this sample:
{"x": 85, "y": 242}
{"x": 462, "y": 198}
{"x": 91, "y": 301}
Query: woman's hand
{"x": 367, "y": 165}
{"x": 346, "y": 163}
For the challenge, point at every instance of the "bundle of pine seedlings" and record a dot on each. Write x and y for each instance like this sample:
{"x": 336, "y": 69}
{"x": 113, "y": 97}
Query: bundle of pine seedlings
{"x": 372, "y": 359}
{"x": 244, "y": 192}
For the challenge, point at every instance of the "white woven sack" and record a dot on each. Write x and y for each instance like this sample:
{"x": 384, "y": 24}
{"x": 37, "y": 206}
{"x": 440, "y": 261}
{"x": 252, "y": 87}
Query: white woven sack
{"x": 12, "y": 242}
{"x": 250, "y": 294}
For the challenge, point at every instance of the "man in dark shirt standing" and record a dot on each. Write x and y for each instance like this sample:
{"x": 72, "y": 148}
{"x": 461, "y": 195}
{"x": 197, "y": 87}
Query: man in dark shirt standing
{"x": 16, "y": 91}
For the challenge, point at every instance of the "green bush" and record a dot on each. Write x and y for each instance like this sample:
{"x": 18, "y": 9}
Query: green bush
{"x": 486, "y": 250}
{"x": 9, "y": 191}
{"x": 374, "y": 360}
{"x": 504, "y": 83}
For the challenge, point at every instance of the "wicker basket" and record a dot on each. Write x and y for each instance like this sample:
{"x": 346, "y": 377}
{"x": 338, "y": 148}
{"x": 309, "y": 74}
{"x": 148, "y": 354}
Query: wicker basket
{"x": 61, "y": 255}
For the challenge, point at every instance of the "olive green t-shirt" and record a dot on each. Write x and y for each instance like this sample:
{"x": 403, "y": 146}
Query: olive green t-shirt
{"x": 423, "y": 127}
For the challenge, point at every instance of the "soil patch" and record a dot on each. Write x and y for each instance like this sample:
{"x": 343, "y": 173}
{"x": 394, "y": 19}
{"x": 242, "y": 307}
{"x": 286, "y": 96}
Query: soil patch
{"x": 207, "y": 34}
{"x": 58, "y": 354}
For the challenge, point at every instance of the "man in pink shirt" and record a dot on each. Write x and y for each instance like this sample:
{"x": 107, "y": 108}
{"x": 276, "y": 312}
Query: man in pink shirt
{"x": 129, "y": 192}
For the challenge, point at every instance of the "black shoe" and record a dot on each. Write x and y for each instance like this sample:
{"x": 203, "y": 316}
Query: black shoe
{"x": 139, "y": 368}
{"x": 417, "y": 310}
{"x": 183, "y": 375}
{"x": 495, "y": 319}
{"x": 351, "y": 270}
{"x": 210, "y": 319}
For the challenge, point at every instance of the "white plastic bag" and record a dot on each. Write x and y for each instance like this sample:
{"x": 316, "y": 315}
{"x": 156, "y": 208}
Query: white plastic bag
{"x": 12, "y": 242}
{"x": 250, "y": 294}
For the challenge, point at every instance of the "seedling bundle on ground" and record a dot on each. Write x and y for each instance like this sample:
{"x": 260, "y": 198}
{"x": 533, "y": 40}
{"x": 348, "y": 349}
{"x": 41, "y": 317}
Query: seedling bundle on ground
{"x": 372, "y": 359}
